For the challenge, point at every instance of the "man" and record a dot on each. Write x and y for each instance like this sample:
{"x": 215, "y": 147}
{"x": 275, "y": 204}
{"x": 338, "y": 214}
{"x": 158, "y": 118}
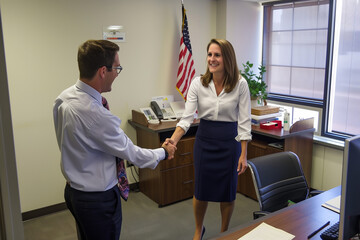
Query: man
{"x": 91, "y": 141}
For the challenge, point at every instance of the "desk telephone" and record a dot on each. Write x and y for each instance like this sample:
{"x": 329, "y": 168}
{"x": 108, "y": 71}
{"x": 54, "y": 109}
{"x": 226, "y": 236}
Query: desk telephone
{"x": 154, "y": 112}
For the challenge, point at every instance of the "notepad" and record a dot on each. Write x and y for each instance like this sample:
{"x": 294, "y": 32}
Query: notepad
{"x": 265, "y": 231}
{"x": 333, "y": 204}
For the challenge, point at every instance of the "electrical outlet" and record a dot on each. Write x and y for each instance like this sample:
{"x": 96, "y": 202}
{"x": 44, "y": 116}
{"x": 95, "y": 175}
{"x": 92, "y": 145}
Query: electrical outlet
{"x": 129, "y": 164}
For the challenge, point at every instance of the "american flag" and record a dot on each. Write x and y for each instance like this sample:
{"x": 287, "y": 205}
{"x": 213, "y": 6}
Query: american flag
{"x": 186, "y": 70}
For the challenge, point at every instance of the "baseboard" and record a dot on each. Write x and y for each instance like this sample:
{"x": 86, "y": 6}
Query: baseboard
{"x": 59, "y": 207}
{"x": 43, "y": 211}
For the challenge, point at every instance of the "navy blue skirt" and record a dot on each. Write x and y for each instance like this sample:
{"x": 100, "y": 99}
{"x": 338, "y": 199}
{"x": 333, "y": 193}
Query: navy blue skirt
{"x": 216, "y": 156}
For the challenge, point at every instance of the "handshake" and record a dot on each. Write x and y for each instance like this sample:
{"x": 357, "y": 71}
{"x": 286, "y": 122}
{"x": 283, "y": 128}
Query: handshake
{"x": 170, "y": 147}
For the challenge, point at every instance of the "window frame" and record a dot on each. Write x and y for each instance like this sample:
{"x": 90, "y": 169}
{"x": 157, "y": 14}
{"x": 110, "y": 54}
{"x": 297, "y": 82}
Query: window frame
{"x": 321, "y": 105}
{"x": 327, "y": 89}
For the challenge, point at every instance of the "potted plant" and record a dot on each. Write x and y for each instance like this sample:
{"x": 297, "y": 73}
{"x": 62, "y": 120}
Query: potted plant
{"x": 257, "y": 86}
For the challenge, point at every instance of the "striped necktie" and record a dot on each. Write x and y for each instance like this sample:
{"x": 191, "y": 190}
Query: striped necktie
{"x": 123, "y": 183}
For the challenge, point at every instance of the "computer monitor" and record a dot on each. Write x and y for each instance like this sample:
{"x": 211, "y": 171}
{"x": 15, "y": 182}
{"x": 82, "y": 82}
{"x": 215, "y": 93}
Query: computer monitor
{"x": 350, "y": 189}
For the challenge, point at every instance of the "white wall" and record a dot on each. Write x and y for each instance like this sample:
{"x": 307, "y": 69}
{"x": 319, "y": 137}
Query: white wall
{"x": 240, "y": 22}
{"x": 41, "y": 40}
{"x": 243, "y": 30}
{"x": 221, "y": 9}
{"x": 326, "y": 167}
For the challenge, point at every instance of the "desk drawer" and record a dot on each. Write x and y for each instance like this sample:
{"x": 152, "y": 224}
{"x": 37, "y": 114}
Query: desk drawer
{"x": 177, "y": 184}
{"x": 183, "y": 155}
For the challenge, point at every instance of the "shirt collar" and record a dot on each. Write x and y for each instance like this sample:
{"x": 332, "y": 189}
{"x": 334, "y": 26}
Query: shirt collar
{"x": 89, "y": 90}
{"x": 212, "y": 86}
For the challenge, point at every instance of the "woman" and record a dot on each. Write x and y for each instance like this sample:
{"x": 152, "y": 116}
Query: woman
{"x": 222, "y": 100}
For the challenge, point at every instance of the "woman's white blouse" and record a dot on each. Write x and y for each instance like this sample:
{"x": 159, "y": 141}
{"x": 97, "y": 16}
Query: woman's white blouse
{"x": 227, "y": 107}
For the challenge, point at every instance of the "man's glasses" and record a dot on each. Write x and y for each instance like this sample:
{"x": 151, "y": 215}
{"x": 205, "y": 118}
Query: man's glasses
{"x": 118, "y": 69}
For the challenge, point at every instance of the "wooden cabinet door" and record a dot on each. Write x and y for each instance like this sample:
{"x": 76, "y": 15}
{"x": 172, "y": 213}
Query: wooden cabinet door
{"x": 246, "y": 185}
{"x": 256, "y": 149}
{"x": 176, "y": 184}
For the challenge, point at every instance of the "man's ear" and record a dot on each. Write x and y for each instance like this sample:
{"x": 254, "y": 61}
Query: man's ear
{"x": 102, "y": 71}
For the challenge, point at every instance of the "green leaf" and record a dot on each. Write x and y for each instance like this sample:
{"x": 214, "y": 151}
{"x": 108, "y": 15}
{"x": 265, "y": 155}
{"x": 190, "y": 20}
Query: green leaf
{"x": 256, "y": 84}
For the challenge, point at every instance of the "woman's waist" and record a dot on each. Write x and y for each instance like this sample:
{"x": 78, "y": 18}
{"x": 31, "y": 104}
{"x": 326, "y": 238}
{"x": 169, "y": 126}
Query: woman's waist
{"x": 217, "y": 129}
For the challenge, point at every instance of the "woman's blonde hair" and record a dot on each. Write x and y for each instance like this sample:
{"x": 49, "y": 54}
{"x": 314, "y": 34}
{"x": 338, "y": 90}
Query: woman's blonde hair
{"x": 230, "y": 65}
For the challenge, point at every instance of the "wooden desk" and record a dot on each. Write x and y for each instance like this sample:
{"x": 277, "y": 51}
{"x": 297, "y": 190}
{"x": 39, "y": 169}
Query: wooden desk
{"x": 299, "y": 139}
{"x": 300, "y": 219}
{"x": 172, "y": 180}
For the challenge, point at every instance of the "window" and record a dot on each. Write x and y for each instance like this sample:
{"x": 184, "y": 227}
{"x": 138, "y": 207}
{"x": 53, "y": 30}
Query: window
{"x": 343, "y": 110}
{"x": 313, "y": 61}
{"x": 295, "y": 47}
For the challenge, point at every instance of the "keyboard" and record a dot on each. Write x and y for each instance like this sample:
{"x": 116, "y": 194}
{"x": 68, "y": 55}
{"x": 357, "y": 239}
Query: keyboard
{"x": 331, "y": 233}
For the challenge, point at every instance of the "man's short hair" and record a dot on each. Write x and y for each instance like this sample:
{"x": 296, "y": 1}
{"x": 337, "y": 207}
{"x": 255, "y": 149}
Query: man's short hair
{"x": 94, "y": 54}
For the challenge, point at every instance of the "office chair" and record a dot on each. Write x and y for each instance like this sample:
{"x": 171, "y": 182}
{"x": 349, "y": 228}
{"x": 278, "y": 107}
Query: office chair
{"x": 278, "y": 179}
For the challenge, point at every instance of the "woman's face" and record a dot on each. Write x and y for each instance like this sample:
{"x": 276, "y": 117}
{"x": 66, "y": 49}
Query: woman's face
{"x": 215, "y": 59}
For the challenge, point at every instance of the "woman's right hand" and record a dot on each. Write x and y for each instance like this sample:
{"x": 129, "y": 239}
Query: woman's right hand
{"x": 169, "y": 140}
{"x": 170, "y": 148}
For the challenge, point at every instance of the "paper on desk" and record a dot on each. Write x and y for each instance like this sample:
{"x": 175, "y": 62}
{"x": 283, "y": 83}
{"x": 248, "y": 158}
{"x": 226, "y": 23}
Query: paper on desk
{"x": 163, "y": 101}
{"x": 333, "y": 204}
{"x": 265, "y": 231}
{"x": 260, "y": 117}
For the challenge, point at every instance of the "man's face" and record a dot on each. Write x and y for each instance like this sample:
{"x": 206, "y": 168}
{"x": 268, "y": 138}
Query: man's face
{"x": 111, "y": 75}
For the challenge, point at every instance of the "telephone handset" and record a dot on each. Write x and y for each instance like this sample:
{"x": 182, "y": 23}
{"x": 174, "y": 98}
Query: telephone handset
{"x": 164, "y": 113}
{"x": 155, "y": 107}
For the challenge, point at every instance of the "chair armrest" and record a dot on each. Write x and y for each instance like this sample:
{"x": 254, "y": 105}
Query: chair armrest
{"x": 315, "y": 192}
{"x": 258, "y": 214}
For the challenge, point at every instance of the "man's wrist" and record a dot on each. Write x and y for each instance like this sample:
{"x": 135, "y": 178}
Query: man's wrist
{"x": 166, "y": 153}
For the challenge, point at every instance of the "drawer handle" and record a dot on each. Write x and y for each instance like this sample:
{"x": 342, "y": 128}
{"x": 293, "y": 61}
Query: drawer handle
{"x": 184, "y": 154}
{"x": 187, "y": 182}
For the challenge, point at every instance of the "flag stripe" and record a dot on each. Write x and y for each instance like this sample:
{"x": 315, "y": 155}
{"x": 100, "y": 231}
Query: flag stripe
{"x": 186, "y": 70}
{"x": 186, "y": 75}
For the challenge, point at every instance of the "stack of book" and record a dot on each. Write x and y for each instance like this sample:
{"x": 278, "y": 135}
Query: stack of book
{"x": 263, "y": 114}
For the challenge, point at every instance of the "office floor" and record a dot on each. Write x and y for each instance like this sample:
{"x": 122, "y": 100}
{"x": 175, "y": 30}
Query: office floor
{"x": 143, "y": 219}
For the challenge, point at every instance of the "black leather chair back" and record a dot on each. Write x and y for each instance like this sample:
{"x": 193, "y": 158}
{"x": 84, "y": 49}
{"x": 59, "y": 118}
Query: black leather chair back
{"x": 278, "y": 178}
